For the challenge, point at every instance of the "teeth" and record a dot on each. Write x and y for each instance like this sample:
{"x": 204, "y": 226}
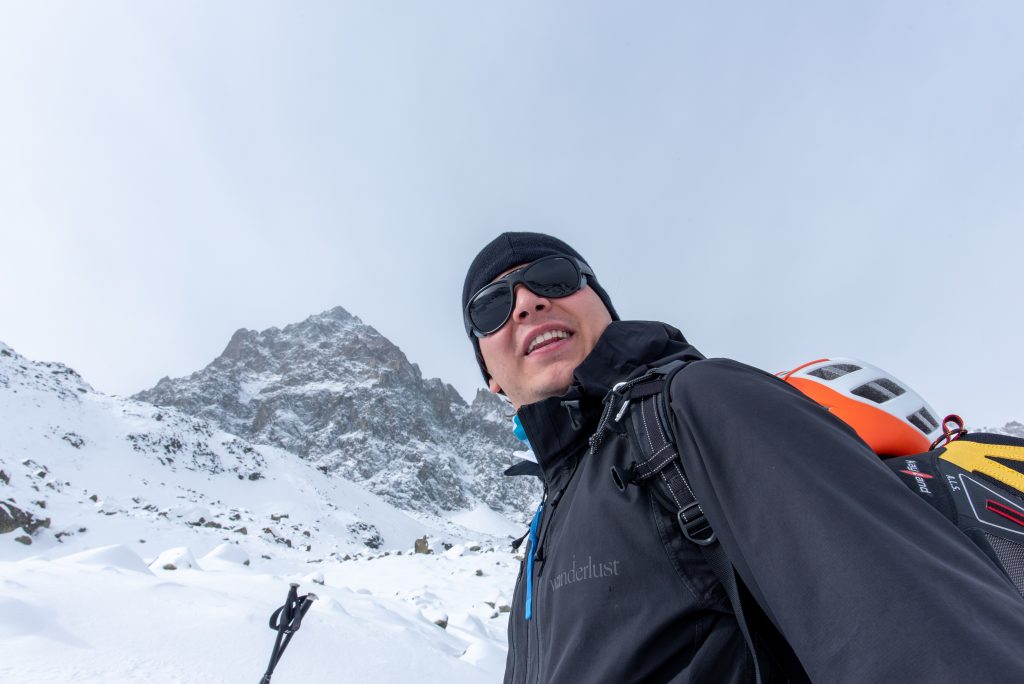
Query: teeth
{"x": 550, "y": 335}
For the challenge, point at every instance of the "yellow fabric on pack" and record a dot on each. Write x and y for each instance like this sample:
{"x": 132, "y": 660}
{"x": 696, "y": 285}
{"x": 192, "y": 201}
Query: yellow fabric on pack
{"x": 977, "y": 457}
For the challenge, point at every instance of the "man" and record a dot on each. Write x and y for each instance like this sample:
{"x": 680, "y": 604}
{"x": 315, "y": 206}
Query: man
{"x": 863, "y": 581}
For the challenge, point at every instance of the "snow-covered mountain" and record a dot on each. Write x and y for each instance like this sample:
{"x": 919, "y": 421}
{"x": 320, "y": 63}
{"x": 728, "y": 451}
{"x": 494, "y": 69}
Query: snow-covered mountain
{"x": 335, "y": 391}
{"x": 1013, "y": 429}
{"x": 140, "y": 544}
{"x": 69, "y": 454}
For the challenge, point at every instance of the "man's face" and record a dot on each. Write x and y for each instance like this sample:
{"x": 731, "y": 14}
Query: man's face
{"x": 527, "y": 367}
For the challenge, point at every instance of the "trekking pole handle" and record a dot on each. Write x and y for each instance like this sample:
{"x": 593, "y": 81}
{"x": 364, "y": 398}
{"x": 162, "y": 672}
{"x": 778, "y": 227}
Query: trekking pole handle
{"x": 286, "y": 620}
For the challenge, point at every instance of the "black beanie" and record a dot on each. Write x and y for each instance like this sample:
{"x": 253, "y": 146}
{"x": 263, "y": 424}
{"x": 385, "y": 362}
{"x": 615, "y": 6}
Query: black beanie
{"x": 513, "y": 249}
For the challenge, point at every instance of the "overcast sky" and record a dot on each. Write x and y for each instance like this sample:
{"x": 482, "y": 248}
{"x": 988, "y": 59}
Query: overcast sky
{"x": 782, "y": 181}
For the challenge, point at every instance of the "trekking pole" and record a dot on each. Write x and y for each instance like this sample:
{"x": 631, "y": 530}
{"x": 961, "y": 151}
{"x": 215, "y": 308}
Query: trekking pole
{"x": 286, "y": 620}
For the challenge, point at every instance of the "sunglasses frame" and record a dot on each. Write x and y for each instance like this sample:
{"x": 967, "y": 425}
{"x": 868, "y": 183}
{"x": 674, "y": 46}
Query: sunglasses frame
{"x": 517, "y": 277}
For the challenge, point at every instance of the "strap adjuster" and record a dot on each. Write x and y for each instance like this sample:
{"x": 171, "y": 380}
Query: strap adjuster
{"x": 697, "y": 530}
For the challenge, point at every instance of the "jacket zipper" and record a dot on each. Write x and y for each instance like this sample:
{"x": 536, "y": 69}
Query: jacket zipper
{"x": 528, "y": 612}
{"x": 537, "y": 553}
{"x": 540, "y": 571}
{"x": 514, "y": 632}
{"x": 534, "y": 530}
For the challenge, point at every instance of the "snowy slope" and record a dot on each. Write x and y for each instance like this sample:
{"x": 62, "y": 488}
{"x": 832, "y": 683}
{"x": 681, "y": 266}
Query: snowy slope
{"x": 75, "y": 457}
{"x": 141, "y": 544}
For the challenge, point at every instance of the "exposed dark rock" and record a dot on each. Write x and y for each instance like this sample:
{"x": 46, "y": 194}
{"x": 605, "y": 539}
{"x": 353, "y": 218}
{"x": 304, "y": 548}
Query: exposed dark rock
{"x": 280, "y": 540}
{"x": 367, "y": 534}
{"x": 12, "y": 518}
{"x": 421, "y": 545}
{"x": 74, "y": 440}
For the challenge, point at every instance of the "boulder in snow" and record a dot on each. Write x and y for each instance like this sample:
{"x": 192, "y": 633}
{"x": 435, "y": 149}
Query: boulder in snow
{"x": 178, "y": 558}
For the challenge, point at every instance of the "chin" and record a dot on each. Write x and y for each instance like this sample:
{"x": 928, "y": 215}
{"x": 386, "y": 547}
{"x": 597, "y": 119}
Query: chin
{"x": 554, "y": 382}
{"x": 554, "y": 387}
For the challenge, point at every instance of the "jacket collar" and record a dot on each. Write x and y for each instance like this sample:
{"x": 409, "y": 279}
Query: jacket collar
{"x": 558, "y": 427}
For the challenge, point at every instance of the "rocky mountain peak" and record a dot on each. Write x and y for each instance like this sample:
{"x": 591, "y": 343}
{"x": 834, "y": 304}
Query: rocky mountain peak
{"x": 326, "y": 338}
{"x": 1013, "y": 428}
{"x": 335, "y": 391}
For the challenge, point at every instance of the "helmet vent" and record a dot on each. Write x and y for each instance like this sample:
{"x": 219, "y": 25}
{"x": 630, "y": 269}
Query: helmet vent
{"x": 836, "y": 370}
{"x": 879, "y": 391}
{"x": 923, "y": 420}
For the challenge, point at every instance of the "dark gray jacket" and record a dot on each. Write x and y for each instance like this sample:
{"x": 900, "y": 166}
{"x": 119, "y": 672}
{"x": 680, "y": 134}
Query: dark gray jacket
{"x": 866, "y": 582}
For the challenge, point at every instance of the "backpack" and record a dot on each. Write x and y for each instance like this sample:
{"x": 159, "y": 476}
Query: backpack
{"x": 975, "y": 480}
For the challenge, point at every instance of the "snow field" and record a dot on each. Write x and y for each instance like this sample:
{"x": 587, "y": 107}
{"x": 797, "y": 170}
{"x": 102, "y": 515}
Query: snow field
{"x": 102, "y": 615}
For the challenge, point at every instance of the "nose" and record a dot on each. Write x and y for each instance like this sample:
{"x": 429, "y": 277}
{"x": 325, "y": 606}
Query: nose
{"x": 527, "y": 302}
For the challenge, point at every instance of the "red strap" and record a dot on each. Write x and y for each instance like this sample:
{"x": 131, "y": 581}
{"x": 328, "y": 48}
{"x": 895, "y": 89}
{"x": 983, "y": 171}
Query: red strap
{"x": 1011, "y": 514}
{"x": 949, "y": 432}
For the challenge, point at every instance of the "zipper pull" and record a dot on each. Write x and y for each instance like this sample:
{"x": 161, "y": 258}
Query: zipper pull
{"x": 534, "y": 526}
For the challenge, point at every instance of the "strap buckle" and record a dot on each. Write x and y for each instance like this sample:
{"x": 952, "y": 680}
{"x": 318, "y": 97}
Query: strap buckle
{"x": 618, "y": 391}
{"x": 697, "y": 530}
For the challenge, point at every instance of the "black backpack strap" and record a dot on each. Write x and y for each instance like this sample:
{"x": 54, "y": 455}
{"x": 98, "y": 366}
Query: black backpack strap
{"x": 663, "y": 467}
{"x": 642, "y": 401}
{"x": 645, "y": 401}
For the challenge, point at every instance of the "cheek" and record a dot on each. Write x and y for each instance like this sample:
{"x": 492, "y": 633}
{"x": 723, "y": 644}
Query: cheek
{"x": 495, "y": 350}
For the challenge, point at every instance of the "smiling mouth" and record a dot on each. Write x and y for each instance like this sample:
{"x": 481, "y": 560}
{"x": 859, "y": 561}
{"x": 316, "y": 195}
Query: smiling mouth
{"x": 544, "y": 339}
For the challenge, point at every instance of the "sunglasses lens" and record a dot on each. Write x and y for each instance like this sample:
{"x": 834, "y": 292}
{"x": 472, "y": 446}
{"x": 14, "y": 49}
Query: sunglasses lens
{"x": 491, "y": 307}
{"x": 552, "y": 278}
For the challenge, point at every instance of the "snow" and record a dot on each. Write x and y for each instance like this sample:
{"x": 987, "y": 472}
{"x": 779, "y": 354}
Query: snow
{"x": 487, "y": 521}
{"x": 250, "y": 389}
{"x": 102, "y": 617}
{"x": 114, "y": 557}
{"x": 161, "y": 546}
{"x": 228, "y": 554}
{"x": 178, "y": 558}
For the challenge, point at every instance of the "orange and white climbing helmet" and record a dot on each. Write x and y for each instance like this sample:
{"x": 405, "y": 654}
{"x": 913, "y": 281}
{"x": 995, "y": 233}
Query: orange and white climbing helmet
{"x": 892, "y": 418}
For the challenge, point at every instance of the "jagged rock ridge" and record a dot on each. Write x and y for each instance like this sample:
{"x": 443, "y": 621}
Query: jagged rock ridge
{"x": 1013, "y": 429}
{"x": 335, "y": 391}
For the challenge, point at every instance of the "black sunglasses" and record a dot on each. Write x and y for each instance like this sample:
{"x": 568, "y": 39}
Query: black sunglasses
{"x": 552, "y": 276}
